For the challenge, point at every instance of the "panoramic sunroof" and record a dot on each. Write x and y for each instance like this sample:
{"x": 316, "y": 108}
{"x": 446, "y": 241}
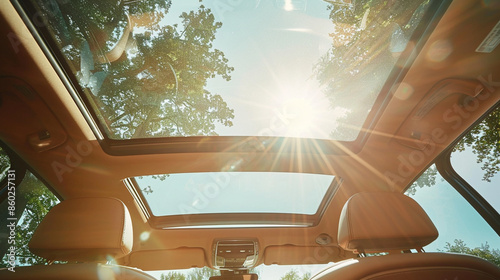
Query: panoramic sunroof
{"x": 215, "y": 194}
{"x": 299, "y": 68}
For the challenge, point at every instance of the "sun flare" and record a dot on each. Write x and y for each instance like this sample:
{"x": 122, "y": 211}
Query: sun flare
{"x": 303, "y": 112}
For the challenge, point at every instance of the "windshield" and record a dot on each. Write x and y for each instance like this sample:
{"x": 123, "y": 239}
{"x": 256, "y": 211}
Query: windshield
{"x": 298, "y": 68}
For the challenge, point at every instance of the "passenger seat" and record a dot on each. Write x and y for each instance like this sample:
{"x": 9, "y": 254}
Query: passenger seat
{"x": 394, "y": 223}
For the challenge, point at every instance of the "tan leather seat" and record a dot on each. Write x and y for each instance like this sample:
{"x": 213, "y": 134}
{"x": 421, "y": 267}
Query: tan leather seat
{"x": 87, "y": 230}
{"x": 395, "y": 223}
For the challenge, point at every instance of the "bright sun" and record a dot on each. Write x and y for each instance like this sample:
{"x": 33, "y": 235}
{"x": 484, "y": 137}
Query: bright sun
{"x": 302, "y": 116}
{"x": 304, "y": 113}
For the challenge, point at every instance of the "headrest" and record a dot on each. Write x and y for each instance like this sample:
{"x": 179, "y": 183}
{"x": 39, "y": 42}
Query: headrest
{"x": 383, "y": 221}
{"x": 84, "y": 229}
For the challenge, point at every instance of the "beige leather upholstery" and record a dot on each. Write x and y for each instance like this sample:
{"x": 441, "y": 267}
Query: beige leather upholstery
{"x": 381, "y": 222}
{"x": 84, "y": 229}
{"x": 417, "y": 266}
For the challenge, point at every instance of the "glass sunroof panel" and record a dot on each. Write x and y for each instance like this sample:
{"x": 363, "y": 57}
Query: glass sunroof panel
{"x": 234, "y": 192}
{"x": 167, "y": 68}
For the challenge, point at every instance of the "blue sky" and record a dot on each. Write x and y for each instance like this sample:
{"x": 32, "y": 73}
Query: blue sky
{"x": 273, "y": 52}
{"x": 225, "y": 192}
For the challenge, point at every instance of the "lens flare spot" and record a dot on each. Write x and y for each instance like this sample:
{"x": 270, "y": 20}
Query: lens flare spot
{"x": 110, "y": 259}
{"x": 404, "y": 91}
{"x": 288, "y": 6}
{"x": 145, "y": 235}
{"x": 439, "y": 51}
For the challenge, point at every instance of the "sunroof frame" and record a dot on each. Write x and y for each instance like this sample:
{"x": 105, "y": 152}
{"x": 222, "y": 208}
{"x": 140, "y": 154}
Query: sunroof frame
{"x": 203, "y": 144}
{"x": 229, "y": 220}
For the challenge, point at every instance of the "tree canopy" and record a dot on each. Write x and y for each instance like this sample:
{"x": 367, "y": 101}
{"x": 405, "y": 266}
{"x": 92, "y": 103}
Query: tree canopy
{"x": 155, "y": 83}
{"x": 160, "y": 91}
{"x": 194, "y": 274}
{"x": 484, "y": 251}
{"x": 484, "y": 140}
{"x": 359, "y": 61}
{"x": 359, "y": 45}
{"x": 294, "y": 275}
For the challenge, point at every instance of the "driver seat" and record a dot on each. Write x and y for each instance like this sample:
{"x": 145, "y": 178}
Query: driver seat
{"x": 394, "y": 223}
{"x": 88, "y": 232}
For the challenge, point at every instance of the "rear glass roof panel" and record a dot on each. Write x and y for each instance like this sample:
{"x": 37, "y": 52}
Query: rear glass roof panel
{"x": 224, "y": 198}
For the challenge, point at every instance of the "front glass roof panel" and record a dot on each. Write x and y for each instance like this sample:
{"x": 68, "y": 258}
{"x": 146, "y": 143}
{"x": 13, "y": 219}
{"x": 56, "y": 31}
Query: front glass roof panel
{"x": 169, "y": 68}
{"x": 234, "y": 192}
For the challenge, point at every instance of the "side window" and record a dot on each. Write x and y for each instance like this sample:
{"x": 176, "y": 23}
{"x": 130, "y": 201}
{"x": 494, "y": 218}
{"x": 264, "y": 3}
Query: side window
{"x": 22, "y": 210}
{"x": 461, "y": 228}
{"x": 476, "y": 158}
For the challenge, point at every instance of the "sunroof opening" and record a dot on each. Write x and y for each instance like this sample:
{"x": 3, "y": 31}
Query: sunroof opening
{"x": 233, "y": 199}
{"x": 294, "y": 68}
{"x": 234, "y": 192}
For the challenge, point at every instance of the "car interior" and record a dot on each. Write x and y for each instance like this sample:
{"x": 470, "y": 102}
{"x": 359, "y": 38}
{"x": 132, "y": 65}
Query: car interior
{"x": 278, "y": 139}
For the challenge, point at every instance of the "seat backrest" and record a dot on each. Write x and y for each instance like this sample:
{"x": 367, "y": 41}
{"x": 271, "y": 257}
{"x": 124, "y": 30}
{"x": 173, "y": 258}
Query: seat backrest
{"x": 395, "y": 223}
{"x": 382, "y": 222}
{"x": 87, "y": 230}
